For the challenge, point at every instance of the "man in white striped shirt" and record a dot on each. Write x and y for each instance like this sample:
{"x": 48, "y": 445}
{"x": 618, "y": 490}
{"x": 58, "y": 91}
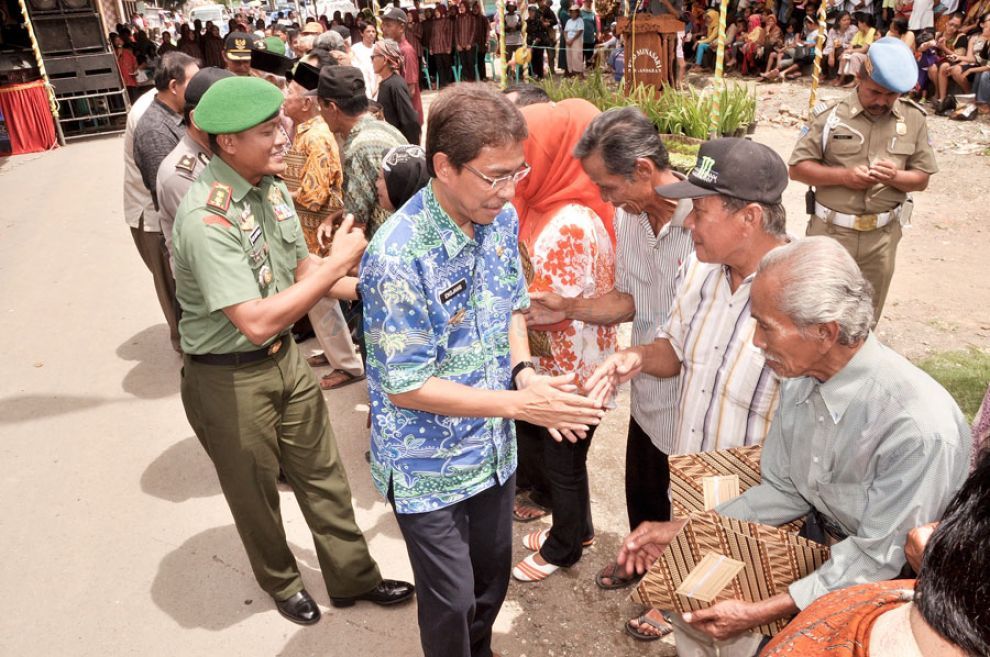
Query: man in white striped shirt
{"x": 622, "y": 153}
{"x": 727, "y": 393}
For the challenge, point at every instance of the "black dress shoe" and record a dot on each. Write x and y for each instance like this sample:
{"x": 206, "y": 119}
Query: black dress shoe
{"x": 388, "y": 592}
{"x": 300, "y": 608}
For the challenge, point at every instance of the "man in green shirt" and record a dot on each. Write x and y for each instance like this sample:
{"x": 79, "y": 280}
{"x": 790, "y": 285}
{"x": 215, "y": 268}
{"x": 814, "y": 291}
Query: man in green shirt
{"x": 243, "y": 276}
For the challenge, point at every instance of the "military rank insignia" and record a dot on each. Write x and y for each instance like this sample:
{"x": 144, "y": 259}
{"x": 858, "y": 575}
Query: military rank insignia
{"x": 219, "y": 198}
{"x": 186, "y": 163}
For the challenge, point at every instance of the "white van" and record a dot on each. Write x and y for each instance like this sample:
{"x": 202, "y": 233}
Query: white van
{"x": 216, "y": 13}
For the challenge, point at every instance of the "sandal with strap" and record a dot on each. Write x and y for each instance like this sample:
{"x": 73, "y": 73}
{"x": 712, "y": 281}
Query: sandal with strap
{"x": 528, "y": 570}
{"x": 533, "y": 541}
{"x": 318, "y": 360}
{"x": 653, "y": 619}
{"x": 339, "y": 379}
{"x": 526, "y": 510}
{"x": 617, "y": 579}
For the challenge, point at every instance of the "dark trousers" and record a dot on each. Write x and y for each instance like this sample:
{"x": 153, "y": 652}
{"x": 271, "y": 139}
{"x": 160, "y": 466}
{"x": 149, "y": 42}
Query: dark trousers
{"x": 151, "y": 247}
{"x": 562, "y": 55}
{"x": 647, "y": 478}
{"x": 445, "y": 74}
{"x": 461, "y": 556}
{"x": 482, "y": 70}
{"x": 466, "y": 59}
{"x": 558, "y": 471}
{"x": 537, "y": 62}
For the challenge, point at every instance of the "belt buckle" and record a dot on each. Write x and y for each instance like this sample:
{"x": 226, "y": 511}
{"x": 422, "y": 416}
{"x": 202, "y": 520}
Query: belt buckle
{"x": 865, "y": 222}
{"x": 274, "y": 347}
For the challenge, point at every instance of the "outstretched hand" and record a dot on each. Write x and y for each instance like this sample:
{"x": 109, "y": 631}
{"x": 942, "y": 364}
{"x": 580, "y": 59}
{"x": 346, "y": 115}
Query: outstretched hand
{"x": 613, "y": 372}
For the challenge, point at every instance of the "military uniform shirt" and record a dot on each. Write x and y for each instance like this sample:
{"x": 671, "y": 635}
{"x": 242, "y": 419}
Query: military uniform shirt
{"x": 856, "y": 138}
{"x": 178, "y": 171}
{"x": 233, "y": 242}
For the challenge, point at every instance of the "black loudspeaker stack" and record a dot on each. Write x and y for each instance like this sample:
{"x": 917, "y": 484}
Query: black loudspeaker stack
{"x": 80, "y": 66}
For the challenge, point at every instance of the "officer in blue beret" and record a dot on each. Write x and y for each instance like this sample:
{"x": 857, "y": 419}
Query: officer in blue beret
{"x": 243, "y": 277}
{"x": 864, "y": 155}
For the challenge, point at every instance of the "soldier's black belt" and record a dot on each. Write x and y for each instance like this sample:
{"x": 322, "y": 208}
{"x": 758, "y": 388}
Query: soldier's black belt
{"x": 242, "y": 357}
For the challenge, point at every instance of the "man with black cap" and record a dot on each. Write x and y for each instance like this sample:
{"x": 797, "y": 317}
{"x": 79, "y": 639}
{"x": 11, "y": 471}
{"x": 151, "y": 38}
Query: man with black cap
{"x": 728, "y": 395}
{"x": 394, "y": 27}
{"x": 243, "y": 277}
{"x": 864, "y": 155}
{"x": 314, "y": 177}
{"x": 182, "y": 166}
{"x": 237, "y": 49}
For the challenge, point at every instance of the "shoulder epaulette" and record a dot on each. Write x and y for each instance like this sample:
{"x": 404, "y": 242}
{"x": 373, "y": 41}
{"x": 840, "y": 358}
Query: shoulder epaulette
{"x": 913, "y": 103}
{"x": 822, "y": 106}
{"x": 186, "y": 163}
{"x": 219, "y": 198}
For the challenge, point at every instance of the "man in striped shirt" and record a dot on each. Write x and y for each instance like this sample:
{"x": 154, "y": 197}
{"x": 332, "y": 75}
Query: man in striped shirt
{"x": 727, "y": 393}
{"x": 622, "y": 153}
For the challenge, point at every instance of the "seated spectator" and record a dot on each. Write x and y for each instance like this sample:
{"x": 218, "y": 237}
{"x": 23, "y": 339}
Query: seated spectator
{"x": 863, "y": 441}
{"x": 948, "y": 47}
{"x": 839, "y": 39}
{"x": 942, "y": 613}
{"x": 711, "y": 36}
{"x": 854, "y": 56}
{"x": 899, "y": 29}
{"x": 967, "y": 70}
{"x": 783, "y": 51}
{"x": 804, "y": 52}
{"x": 752, "y": 45}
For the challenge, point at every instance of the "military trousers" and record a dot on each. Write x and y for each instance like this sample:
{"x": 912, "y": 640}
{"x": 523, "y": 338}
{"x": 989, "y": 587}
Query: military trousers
{"x": 252, "y": 419}
{"x": 151, "y": 247}
{"x": 873, "y": 250}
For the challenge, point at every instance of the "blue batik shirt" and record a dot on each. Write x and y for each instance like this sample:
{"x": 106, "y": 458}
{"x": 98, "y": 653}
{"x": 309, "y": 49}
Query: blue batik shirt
{"x": 438, "y": 304}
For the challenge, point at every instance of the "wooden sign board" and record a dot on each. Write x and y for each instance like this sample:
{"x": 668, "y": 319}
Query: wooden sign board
{"x": 650, "y": 49}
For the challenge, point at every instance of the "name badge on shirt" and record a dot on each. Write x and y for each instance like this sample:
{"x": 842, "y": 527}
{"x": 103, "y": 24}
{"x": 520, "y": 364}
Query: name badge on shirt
{"x": 255, "y": 235}
{"x": 842, "y": 136}
{"x": 453, "y": 290}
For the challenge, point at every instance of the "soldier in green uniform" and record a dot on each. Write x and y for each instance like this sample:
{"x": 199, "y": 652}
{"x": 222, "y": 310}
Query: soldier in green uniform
{"x": 243, "y": 276}
{"x": 864, "y": 154}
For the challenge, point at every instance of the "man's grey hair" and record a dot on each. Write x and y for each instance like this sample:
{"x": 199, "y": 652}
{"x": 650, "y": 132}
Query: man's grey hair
{"x": 774, "y": 215}
{"x": 820, "y": 283}
{"x": 329, "y": 40}
{"x": 622, "y": 135}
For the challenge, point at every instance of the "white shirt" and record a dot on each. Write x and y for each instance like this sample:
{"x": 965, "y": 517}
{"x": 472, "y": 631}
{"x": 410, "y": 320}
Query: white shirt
{"x": 361, "y": 57}
{"x": 137, "y": 199}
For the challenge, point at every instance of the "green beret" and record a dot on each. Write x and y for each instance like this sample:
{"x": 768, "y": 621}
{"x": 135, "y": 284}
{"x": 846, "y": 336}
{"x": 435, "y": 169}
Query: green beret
{"x": 236, "y": 104}
{"x": 275, "y": 45}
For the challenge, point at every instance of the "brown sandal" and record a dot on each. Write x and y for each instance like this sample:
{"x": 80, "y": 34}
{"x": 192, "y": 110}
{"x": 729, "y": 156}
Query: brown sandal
{"x": 649, "y": 619}
{"x": 317, "y": 360}
{"x": 339, "y": 379}
{"x": 617, "y": 579}
{"x": 526, "y": 510}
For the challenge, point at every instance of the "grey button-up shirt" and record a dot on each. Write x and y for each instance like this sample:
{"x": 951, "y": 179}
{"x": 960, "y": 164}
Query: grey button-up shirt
{"x": 156, "y": 134}
{"x": 877, "y": 449}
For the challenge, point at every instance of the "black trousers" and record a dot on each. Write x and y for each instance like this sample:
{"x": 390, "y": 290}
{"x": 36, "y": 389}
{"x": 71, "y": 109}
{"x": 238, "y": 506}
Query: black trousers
{"x": 647, "y": 478}
{"x": 466, "y": 59}
{"x": 482, "y": 72}
{"x": 537, "y": 62}
{"x": 445, "y": 73}
{"x": 461, "y": 557}
{"x": 558, "y": 471}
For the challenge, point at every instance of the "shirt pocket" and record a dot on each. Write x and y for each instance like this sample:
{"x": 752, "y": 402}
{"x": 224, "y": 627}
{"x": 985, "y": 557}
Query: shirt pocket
{"x": 288, "y": 230}
{"x": 900, "y": 149}
{"x": 844, "y": 143}
{"x": 748, "y": 381}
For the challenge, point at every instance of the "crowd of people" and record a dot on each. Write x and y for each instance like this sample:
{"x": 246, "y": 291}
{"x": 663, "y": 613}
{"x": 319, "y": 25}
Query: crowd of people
{"x": 476, "y": 282}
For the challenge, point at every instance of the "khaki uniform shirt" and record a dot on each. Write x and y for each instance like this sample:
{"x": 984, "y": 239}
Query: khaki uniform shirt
{"x": 233, "y": 242}
{"x": 178, "y": 171}
{"x": 856, "y": 138}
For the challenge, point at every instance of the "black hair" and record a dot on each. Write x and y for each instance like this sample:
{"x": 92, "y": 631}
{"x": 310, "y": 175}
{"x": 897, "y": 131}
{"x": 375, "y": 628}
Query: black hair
{"x": 953, "y": 587}
{"x": 172, "y": 67}
{"x": 352, "y": 107}
{"x": 527, "y": 93}
{"x": 863, "y": 17}
{"x": 900, "y": 24}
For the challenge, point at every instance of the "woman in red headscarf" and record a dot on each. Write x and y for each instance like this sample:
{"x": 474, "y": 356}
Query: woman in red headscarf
{"x": 567, "y": 241}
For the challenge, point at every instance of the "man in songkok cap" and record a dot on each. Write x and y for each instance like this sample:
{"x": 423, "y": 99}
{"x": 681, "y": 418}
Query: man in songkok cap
{"x": 864, "y": 155}
{"x": 244, "y": 276}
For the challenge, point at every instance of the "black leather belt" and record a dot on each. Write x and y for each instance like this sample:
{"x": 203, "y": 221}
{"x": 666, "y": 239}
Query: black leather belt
{"x": 242, "y": 357}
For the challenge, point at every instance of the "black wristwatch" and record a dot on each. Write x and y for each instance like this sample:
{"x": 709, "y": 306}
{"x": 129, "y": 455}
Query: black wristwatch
{"x": 520, "y": 366}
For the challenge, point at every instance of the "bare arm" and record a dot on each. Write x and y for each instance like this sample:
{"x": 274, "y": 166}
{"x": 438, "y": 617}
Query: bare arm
{"x": 549, "y": 308}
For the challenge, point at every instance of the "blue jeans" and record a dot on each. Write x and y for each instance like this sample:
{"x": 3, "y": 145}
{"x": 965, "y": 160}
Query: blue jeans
{"x": 981, "y": 87}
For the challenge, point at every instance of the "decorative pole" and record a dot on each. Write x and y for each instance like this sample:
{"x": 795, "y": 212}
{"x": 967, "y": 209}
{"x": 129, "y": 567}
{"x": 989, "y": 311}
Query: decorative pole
{"x": 719, "y": 84}
{"x": 501, "y": 44}
{"x": 523, "y": 18}
{"x": 816, "y": 72}
{"x": 375, "y": 7}
{"x": 52, "y": 102}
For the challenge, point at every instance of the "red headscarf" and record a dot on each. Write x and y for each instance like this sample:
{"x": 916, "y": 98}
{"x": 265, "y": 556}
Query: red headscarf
{"x": 557, "y": 178}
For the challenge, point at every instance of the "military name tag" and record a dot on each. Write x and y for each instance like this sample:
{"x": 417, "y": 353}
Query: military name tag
{"x": 842, "y": 137}
{"x": 255, "y": 235}
{"x": 453, "y": 290}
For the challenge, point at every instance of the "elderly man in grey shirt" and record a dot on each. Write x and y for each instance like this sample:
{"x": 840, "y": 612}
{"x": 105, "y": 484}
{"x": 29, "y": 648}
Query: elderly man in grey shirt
{"x": 862, "y": 439}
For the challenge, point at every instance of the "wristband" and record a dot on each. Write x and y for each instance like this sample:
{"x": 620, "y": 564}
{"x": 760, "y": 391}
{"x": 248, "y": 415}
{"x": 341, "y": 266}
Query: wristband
{"x": 520, "y": 366}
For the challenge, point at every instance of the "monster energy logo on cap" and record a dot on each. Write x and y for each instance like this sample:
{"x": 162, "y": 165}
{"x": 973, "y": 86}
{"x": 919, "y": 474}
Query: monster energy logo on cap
{"x": 703, "y": 170}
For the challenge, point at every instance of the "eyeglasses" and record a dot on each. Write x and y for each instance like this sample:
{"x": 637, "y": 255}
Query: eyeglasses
{"x": 502, "y": 181}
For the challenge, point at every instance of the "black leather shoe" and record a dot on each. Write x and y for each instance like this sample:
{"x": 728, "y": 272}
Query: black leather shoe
{"x": 388, "y": 592}
{"x": 300, "y": 608}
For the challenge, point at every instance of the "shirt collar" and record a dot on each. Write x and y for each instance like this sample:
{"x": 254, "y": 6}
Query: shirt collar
{"x": 307, "y": 124}
{"x": 239, "y": 187}
{"x": 856, "y": 108}
{"x": 454, "y": 239}
{"x": 172, "y": 114}
{"x": 359, "y": 126}
{"x": 840, "y": 391}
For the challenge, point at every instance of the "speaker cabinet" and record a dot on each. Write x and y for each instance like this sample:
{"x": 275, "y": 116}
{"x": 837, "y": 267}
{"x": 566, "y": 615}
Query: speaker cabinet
{"x": 67, "y": 34}
{"x": 37, "y": 7}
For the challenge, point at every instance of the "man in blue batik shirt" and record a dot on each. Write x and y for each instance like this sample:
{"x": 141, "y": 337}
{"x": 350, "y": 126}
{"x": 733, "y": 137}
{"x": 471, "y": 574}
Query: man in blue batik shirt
{"x": 448, "y": 368}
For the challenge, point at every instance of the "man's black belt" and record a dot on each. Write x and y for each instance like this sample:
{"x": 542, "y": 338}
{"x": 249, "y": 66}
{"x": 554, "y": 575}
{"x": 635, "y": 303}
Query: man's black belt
{"x": 242, "y": 357}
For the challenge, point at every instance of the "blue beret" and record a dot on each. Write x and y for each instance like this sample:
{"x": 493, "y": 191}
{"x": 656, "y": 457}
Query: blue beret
{"x": 892, "y": 65}
{"x": 237, "y": 104}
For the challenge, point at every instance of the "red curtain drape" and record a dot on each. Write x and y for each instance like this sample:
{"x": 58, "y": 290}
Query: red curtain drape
{"x": 28, "y": 117}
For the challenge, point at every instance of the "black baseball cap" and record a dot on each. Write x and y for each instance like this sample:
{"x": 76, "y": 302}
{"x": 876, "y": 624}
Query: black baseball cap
{"x": 339, "y": 83}
{"x": 739, "y": 168}
{"x": 200, "y": 82}
{"x": 238, "y": 46}
{"x": 395, "y": 14}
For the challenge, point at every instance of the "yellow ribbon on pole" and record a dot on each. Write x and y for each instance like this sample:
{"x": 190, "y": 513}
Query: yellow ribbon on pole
{"x": 523, "y": 16}
{"x": 501, "y": 44}
{"x": 719, "y": 83}
{"x": 52, "y": 102}
{"x": 376, "y": 8}
{"x": 816, "y": 72}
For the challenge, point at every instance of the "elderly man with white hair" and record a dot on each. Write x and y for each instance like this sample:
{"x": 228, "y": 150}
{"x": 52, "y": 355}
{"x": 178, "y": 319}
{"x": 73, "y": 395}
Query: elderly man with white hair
{"x": 863, "y": 440}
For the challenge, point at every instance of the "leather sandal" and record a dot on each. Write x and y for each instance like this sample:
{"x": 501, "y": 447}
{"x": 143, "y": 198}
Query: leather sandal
{"x": 534, "y": 541}
{"x": 523, "y": 503}
{"x": 651, "y": 618}
{"x": 616, "y": 576}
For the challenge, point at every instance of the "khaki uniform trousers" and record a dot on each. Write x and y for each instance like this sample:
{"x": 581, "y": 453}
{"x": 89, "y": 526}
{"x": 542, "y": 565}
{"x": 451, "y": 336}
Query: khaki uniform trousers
{"x": 873, "y": 250}
{"x": 253, "y": 418}
{"x": 151, "y": 247}
{"x": 330, "y": 327}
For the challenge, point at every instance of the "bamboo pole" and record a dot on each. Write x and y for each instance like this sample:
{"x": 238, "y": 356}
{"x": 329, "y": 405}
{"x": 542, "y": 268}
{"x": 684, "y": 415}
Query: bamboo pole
{"x": 816, "y": 72}
{"x": 376, "y": 8}
{"x": 52, "y": 101}
{"x": 501, "y": 44}
{"x": 719, "y": 70}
